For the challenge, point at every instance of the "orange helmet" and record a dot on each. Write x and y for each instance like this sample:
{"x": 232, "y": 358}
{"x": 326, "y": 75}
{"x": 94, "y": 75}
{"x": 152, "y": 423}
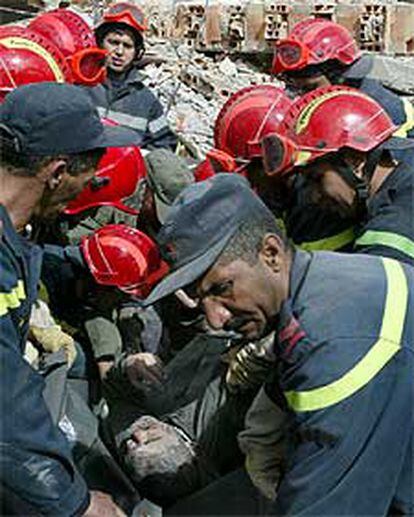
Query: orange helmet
{"x": 76, "y": 40}
{"x": 120, "y": 256}
{"x": 313, "y": 42}
{"x": 247, "y": 117}
{"x": 126, "y": 14}
{"x": 324, "y": 121}
{"x": 27, "y": 57}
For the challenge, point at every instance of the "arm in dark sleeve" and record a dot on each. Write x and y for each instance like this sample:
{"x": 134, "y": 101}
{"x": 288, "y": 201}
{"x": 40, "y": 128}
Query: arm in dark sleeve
{"x": 344, "y": 459}
{"x": 35, "y": 459}
{"x": 159, "y": 133}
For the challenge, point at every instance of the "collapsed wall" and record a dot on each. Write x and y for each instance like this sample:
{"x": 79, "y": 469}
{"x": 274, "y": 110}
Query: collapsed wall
{"x": 254, "y": 26}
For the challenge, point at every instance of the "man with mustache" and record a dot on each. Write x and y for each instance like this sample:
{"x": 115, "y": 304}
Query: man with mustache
{"x": 343, "y": 347}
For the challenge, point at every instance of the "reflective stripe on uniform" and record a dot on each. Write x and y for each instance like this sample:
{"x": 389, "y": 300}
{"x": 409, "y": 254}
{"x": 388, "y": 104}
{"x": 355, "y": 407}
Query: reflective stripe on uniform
{"x": 408, "y": 125}
{"x": 371, "y": 364}
{"x": 331, "y": 243}
{"x": 158, "y": 124}
{"x": 391, "y": 240}
{"x": 139, "y": 123}
{"x": 13, "y": 299}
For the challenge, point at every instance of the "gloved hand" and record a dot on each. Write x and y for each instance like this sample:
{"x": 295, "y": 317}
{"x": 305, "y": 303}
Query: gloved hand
{"x": 250, "y": 366}
{"x": 52, "y": 339}
{"x": 48, "y": 335}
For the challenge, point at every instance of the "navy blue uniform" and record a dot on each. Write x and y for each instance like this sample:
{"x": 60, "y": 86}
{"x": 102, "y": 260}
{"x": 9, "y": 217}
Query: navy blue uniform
{"x": 314, "y": 228}
{"x": 35, "y": 459}
{"x": 389, "y": 228}
{"x": 345, "y": 372}
{"x": 130, "y": 103}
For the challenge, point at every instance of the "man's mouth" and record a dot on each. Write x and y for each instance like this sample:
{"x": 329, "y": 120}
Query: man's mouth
{"x": 242, "y": 325}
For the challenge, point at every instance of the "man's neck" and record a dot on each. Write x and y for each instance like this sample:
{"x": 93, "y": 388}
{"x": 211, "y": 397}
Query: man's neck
{"x": 20, "y": 196}
{"x": 116, "y": 78}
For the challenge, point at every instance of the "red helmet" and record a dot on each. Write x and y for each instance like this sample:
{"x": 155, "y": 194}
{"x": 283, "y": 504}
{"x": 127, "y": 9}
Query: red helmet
{"x": 75, "y": 39}
{"x": 121, "y": 172}
{"x": 120, "y": 256}
{"x": 324, "y": 121}
{"x": 312, "y": 42}
{"x": 247, "y": 117}
{"x": 27, "y": 57}
{"x": 123, "y": 13}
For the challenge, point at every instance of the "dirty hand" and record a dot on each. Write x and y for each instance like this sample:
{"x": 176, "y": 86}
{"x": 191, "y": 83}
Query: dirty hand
{"x": 143, "y": 367}
{"x": 250, "y": 366}
{"x": 102, "y": 505}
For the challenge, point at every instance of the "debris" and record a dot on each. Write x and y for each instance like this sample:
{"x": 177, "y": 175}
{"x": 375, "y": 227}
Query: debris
{"x": 193, "y": 87}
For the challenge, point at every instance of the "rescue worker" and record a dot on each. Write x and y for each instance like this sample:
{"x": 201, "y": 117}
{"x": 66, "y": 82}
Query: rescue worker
{"x": 87, "y": 285}
{"x": 320, "y": 52}
{"x": 123, "y": 97}
{"x": 350, "y": 163}
{"x": 125, "y": 191}
{"x": 51, "y": 142}
{"x": 246, "y": 118}
{"x": 342, "y": 459}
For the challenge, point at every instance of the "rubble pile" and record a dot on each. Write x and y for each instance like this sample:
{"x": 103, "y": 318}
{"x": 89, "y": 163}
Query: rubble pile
{"x": 193, "y": 87}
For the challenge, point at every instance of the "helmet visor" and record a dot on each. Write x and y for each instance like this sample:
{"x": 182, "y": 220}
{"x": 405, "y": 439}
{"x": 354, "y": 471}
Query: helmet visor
{"x": 278, "y": 154}
{"x": 290, "y": 55}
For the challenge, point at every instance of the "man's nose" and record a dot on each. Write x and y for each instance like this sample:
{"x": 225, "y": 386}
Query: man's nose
{"x": 217, "y": 315}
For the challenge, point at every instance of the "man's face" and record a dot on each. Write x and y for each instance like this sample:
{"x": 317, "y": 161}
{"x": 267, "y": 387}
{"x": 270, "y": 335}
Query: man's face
{"x": 155, "y": 448}
{"x": 55, "y": 200}
{"x": 329, "y": 190}
{"x": 121, "y": 48}
{"x": 242, "y": 297}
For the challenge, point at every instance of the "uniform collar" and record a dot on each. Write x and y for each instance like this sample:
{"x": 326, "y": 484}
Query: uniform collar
{"x": 131, "y": 77}
{"x": 360, "y": 69}
{"x": 299, "y": 269}
{"x": 8, "y": 231}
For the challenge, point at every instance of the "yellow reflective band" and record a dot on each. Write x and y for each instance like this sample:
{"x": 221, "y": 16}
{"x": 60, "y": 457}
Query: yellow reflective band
{"x": 304, "y": 118}
{"x": 391, "y": 240}
{"x": 408, "y": 125}
{"x": 302, "y": 158}
{"x": 22, "y": 43}
{"x": 13, "y": 299}
{"x": 332, "y": 243}
{"x": 378, "y": 356}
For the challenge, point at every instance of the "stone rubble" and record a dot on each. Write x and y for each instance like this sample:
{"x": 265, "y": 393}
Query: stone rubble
{"x": 193, "y": 87}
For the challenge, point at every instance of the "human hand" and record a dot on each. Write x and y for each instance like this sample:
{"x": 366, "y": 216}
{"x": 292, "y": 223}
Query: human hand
{"x": 250, "y": 366}
{"x": 102, "y": 505}
{"x": 143, "y": 367}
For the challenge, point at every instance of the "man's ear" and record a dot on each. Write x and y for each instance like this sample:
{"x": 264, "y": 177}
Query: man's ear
{"x": 271, "y": 252}
{"x": 54, "y": 172}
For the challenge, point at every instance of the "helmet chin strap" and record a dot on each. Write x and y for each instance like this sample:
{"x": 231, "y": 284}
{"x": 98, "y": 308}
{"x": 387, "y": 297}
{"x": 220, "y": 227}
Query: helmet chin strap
{"x": 360, "y": 185}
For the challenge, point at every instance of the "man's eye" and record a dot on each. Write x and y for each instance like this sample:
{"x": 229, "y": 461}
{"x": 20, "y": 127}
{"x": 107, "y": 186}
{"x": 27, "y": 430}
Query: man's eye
{"x": 221, "y": 289}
